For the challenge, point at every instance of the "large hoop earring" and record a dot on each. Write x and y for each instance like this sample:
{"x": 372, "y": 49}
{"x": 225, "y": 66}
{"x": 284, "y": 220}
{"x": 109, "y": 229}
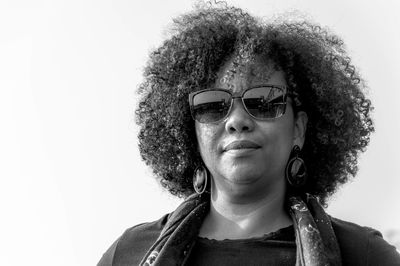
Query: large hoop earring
{"x": 296, "y": 172}
{"x": 200, "y": 179}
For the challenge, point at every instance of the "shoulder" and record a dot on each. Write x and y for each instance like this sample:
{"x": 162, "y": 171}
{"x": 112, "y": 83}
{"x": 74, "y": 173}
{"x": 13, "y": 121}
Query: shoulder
{"x": 133, "y": 244}
{"x": 361, "y": 245}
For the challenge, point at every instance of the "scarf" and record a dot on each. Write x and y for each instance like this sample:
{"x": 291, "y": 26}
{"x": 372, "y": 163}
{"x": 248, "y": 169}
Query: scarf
{"x": 315, "y": 240}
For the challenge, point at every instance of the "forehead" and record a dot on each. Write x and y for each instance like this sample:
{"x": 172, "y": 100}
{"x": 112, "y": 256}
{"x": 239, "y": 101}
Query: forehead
{"x": 256, "y": 72}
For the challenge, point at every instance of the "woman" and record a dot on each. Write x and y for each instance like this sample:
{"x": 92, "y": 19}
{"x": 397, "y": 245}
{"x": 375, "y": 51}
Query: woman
{"x": 255, "y": 125}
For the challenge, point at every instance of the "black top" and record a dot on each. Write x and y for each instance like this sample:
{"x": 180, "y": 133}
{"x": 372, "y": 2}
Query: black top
{"x": 358, "y": 245}
{"x": 277, "y": 248}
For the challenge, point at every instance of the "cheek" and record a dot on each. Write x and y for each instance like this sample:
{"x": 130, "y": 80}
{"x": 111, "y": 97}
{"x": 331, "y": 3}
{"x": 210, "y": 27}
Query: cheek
{"x": 206, "y": 138}
{"x": 287, "y": 140}
{"x": 280, "y": 137}
{"x": 286, "y": 127}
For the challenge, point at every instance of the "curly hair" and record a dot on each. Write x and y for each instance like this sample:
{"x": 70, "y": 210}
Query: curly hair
{"x": 317, "y": 68}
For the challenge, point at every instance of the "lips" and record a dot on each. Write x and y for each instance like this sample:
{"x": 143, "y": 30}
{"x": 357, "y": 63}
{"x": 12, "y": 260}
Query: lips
{"x": 241, "y": 144}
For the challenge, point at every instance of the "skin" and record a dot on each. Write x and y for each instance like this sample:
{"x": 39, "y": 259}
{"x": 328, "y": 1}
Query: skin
{"x": 248, "y": 185}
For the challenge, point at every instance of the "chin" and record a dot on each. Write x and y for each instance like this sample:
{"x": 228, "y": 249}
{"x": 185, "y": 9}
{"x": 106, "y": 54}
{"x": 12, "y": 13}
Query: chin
{"x": 244, "y": 176}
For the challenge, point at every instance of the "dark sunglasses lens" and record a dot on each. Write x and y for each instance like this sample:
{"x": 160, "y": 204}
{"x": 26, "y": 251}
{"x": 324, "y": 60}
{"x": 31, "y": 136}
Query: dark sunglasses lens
{"x": 265, "y": 102}
{"x": 210, "y": 106}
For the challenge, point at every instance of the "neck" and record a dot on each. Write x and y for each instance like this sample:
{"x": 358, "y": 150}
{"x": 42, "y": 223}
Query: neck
{"x": 230, "y": 218}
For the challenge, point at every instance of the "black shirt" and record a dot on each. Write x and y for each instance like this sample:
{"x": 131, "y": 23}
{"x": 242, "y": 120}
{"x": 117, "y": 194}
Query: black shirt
{"x": 358, "y": 246}
{"x": 269, "y": 249}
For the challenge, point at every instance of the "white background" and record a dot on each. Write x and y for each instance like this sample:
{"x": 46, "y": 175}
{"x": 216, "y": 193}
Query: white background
{"x": 71, "y": 176}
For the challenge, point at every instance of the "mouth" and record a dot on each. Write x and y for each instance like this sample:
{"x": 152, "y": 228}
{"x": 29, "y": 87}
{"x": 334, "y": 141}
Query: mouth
{"x": 241, "y": 145}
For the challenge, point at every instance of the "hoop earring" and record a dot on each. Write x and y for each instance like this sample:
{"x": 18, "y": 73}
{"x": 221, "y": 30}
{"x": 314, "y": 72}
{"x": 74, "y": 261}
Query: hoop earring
{"x": 296, "y": 172}
{"x": 200, "y": 178}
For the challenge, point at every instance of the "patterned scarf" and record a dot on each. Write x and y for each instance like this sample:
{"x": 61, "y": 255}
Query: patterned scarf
{"x": 315, "y": 240}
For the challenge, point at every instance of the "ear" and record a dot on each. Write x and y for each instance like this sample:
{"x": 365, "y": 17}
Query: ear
{"x": 300, "y": 127}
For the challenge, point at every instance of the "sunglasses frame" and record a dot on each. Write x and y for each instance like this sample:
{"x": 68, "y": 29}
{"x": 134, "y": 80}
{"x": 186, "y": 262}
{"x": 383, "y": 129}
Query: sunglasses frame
{"x": 239, "y": 95}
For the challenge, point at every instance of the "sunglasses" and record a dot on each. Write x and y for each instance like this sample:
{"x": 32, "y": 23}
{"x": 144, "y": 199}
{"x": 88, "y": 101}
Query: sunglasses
{"x": 262, "y": 102}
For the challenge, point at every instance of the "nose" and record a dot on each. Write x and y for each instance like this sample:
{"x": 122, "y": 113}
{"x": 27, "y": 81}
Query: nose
{"x": 238, "y": 119}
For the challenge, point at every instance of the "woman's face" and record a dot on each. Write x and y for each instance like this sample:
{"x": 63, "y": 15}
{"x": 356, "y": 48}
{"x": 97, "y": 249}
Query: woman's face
{"x": 256, "y": 169}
